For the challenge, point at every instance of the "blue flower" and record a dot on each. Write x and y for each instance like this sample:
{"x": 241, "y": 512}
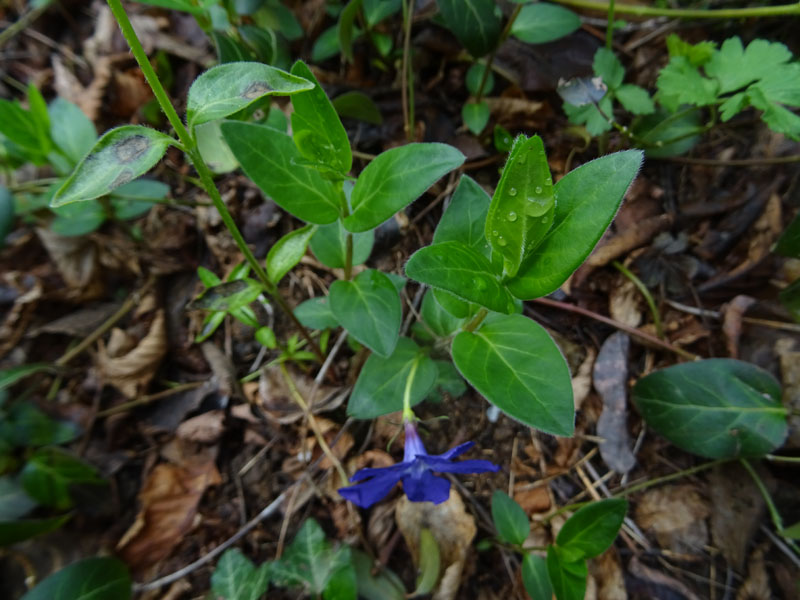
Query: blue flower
{"x": 416, "y": 473}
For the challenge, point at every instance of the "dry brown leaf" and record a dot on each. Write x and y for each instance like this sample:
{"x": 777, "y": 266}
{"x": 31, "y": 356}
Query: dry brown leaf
{"x": 624, "y": 303}
{"x": 514, "y": 111}
{"x": 278, "y": 403}
{"x": 77, "y": 262}
{"x": 622, "y": 243}
{"x": 756, "y": 586}
{"x": 582, "y": 380}
{"x": 131, "y": 371}
{"x": 607, "y": 573}
{"x": 610, "y": 379}
{"x": 453, "y": 529}
{"x": 789, "y": 357}
{"x": 658, "y": 581}
{"x": 534, "y": 500}
{"x": 676, "y": 514}
{"x": 169, "y": 499}
{"x": 205, "y": 428}
{"x": 732, "y": 322}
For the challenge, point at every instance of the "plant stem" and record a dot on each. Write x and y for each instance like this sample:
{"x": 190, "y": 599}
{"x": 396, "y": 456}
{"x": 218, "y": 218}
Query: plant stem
{"x": 408, "y": 414}
{"x": 788, "y": 459}
{"x": 348, "y": 240}
{"x": 407, "y": 78}
{"x": 610, "y": 25}
{"x": 503, "y": 35}
{"x": 476, "y": 320}
{"x": 646, "y": 293}
{"x": 687, "y": 13}
{"x": 773, "y": 510}
{"x": 206, "y": 179}
{"x": 23, "y": 22}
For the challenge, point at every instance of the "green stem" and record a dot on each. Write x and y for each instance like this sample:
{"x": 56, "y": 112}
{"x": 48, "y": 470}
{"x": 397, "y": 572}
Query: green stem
{"x": 646, "y": 293}
{"x": 23, "y": 22}
{"x": 610, "y": 25}
{"x": 206, "y": 179}
{"x": 773, "y": 510}
{"x": 408, "y": 414}
{"x": 687, "y": 13}
{"x": 476, "y": 320}
{"x": 407, "y": 77}
{"x": 348, "y": 240}
{"x": 788, "y": 459}
{"x": 503, "y": 35}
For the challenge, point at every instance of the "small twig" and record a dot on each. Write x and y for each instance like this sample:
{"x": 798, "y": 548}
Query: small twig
{"x": 330, "y": 358}
{"x": 648, "y": 297}
{"x": 405, "y": 76}
{"x": 23, "y": 22}
{"x": 704, "y": 312}
{"x": 143, "y": 400}
{"x": 733, "y": 162}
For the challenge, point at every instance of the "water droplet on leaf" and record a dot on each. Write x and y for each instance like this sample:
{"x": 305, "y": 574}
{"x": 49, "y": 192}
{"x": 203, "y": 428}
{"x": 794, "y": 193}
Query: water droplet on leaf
{"x": 538, "y": 189}
{"x": 512, "y": 192}
{"x": 512, "y": 216}
{"x": 502, "y": 241}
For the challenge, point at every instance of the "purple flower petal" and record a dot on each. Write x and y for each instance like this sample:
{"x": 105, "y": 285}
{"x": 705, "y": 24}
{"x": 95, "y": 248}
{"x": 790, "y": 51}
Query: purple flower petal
{"x": 457, "y": 451}
{"x": 435, "y": 463}
{"x": 378, "y": 471}
{"x": 368, "y": 493}
{"x": 426, "y": 487}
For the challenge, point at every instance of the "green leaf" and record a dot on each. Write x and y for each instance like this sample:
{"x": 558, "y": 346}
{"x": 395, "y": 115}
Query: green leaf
{"x": 78, "y": 218}
{"x": 607, "y": 66}
{"x": 316, "y": 128}
{"x": 374, "y": 582}
{"x": 326, "y": 45}
{"x": 236, "y": 578}
{"x": 346, "y": 28}
{"x": 523, "y": 204}
{"x": 266, "y": 337}
{"x": 395, "y": 179}
{"x": 228, "y": 296}
{"x": 49, "y": 474}
{"x": 461, "y": 309}
{"x": 342, "y": 584}
{"x": 329, "y": 245}
{"x": 680, "y": 82}
{"x": 509, "y": 519}
{"x": 429, "y": 563}
{"x": 635, "y": 99}
{"x": 594, "y": 527}
{"x": 792, "y": 532}
{"x": 448, "y": 380}
{"x": 213, "y": 149}
{"x": 717, "y": 408}
{"x": 376, "y": 11}
{"x": 7, "y": 215}
{"x": 369, "y": 308}
{"x": 263, "y": 42}
{"x": 20, "y": 127}
{"x": 439, "y": 321}
{"x": 459, "y": 269}
{"x": 316, "y": 314}
{"x": 777, "y": 117}
{"x": 540, "y": 23}
{"x": 474, "y": 78}
{"x": 698, "y": 54}
{"x": 662, "y": 134}
{"x": 228, "y": 88}
{"x": 535, "y": 578}
{"x": 14, "y": 502}
{"x": 734, "y": 67}
{"x": 9, "y": 377}
{"x": 120, "y": 156}
{"x": 587, "y": 199}
{"x": 13, "y": 532}
{"x": 180, "y": 5}
{"x": 100, "y": 578}
{"x": 137, "y": 197}
{"x": 30, "y": 427}
{"x": 515, "y": 365}
{"x": 357, "y": 105}
{"x": 596, "y": 122}
{"x": 567, "y": 575}
{"x": 270, "y": 158}
{"x": 503, "y": 142}
{"x": 476, "y": 115}
{"x": 789, "y": 242}
{"x": 287, "y": 252}
{"x": 382, "y": 381}
{"x": 72, "y": 131}
{"x": 465, "y": 217}
{"x": 474, "y": 23}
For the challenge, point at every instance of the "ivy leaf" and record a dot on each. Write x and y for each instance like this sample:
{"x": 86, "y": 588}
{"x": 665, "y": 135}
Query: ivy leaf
{"x": 237, "y": 578}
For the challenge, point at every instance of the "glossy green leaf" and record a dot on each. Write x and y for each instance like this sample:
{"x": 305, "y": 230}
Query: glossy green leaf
{"x": 369, "y": 308}
{"x": 228, "y": 296}
{"x": 475, "y": 115}
{"x": 382, "y": 381}
{"x": 14, "y": 502}
{"x": 474, "y": 78}
{"x": 510, "y": 520}
{"x": 213, "y": 148}
{"x": 316, "y": 314}
{"x": 317, "y": 131}
{"x": 237, "y": 578}
{"x": 474, "y": 22}
{"x": 120, "y": 156}
{"x": 72, "y": 131}
{"x": 461, "y": 309}
{"x": 395, "y": 179}
{"x": 357, "y": 105}
{"x": 461, "y": 270}
{"x": 228, "y": 88}
{"x": 376, "y": 11}
{"x": 541, "y": 22}
{"x": 522, "y": 207}
{"x": 9, "y": 377}
{"x": 329, "y": 245}
{"x": 49, "y": 474}
{"x": 375, "y": 583}
{"x": 13, "y": 532}
{"x": 465, "y": 217}
{"x": 101, "y": 578}
{"x": 342, "y": 584}
{"x": 515, "y": 365}
{"x": 717, "y": 408}
{"x": 567, "y": 574}
{"x": 587, "y": 199}
{"x": 346, "y": 28}
{"x": 429, "y": 563}
{"x": 440, "y": 322}
{"x": 789, "y": 242}
{"x": 594, "y": 527}
{"x": 287, "y": 252}
{"x": 535, "y": 577}
{"x": 270, "y": 158}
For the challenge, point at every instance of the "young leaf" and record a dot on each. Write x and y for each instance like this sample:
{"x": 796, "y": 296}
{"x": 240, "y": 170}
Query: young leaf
{"x": 49, "y": 474}
{"x": 228, "y": 88}
{"x": 541, "y": 22}
{"x": 316, "y": 128}
{"x": 567, "y": 574}
{"x": 369, "y": 308}
{"x": 474, "y": 23}
{"x": 460, "y": 309}
{"x": 372, "y": 585}
{"x": 382, "y": 382}
{"x": 329, "y": 245}
{"x": 71, "y": 130}
{"x": 395, "y": 179}
{"x": 680, "y": 82}
{"x": 121, "y": 155}
{"x": 523, "y": 204}
{"x": 515, "y": 365}
{"x": 316, "y": 314}
{"x": 717, "y": 408}
{"x": 457, "y": 268}
{"x": 376, "y": 11}
{"x": 587, "y": 198}
{"x": 594, "y": 527}
{"x": 607, "y": 66}
{"x": 474, "y": 78}
{"x": 270, "y": 158}
{"x": 21, "y": 128}
{"x": 438, "y": 320}
{"x": 87, "y": 579}
{"x": 228, "y": 296}
{"x": 510, "y": 520}
{"x": 635, "y": 99}
{"x": 465, "y": 217}
{"x": 236, "y": 578}
{"x": 535, "y": 577}
{"x": 429, "y": 563}
{"x": 476, "y": 115}
{"x": 19, "y": 530}
{"x": 734, "y": 67}
{"x": 346, "y": 28}
{"x": 287, "y": 252}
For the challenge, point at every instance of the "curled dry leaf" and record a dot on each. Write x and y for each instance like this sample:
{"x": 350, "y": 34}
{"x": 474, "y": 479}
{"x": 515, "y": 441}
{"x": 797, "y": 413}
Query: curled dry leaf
{"x": 131, "y": 370}
{"x": 453, "y": 529}
{"x": 77, "y": 262}
{"x": 169, "y": 499}
{"x": 732, "y": 322}
{"x": 205, "y": 428}
{"x": 738, "y": 506}
{"x": 676, "y": 514}
{"x": 624, "y": 302}
{"x": 582, "y": 380}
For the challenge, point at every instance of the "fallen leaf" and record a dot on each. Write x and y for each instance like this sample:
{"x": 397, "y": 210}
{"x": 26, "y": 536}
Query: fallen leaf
{"x": 789, "y": 357}
{"x": 629, "y": 239}
{"x": 756, "y": 586}
{"x": 582, "y": 380}
{"x": 607, "y": 573}
{"x": 738, "y": 506}
{"x": 653, "y": 582}
{"x": 205, "y": 428}
{"x": 732, "y": 322}
{"x": 77, "y": 262}
{"x": 278, "y": 403}
{"x": 610, "y": 381}
{"x": 676, "y": 514}
{"x": 169, "y": 499}
{"x": 533, "y": 500}
{"x": 624, "y": 302}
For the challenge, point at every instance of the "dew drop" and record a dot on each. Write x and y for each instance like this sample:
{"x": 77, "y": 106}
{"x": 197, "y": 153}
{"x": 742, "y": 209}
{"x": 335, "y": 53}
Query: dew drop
{"x": 549, "y": 181}
{"x": 538, "y": 189}
{"x": 494, "y": 233}
{"x": 512, "y": 192}
{"x": 502, "y": 241}
{"x": 545, "y": 220}
{"x": 512, "y": 216}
